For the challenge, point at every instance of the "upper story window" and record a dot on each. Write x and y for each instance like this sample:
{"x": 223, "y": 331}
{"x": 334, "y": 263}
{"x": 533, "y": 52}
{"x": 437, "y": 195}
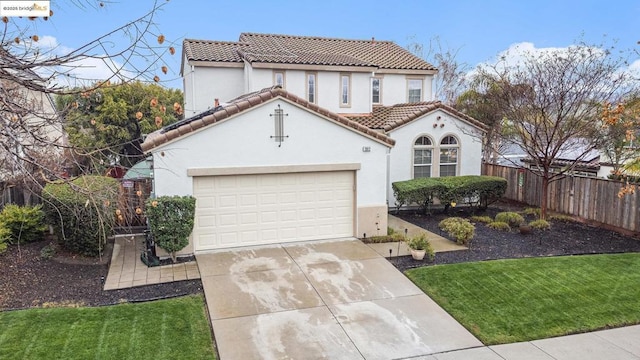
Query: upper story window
{"x": 345, "y": 90}
{"x": 414, "y": 90}
{"x": 278, "y": 78}
{"x": 449, "y": 156}
{"x": 376, "y": 90}
{"x": 312, "y": 87}
{"x": 422, "y": 157}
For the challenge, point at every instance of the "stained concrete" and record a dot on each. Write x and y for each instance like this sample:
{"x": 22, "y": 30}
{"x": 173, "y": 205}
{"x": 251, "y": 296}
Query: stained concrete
{"x": 321, "y": 300}
{"x": 298, "y": 334}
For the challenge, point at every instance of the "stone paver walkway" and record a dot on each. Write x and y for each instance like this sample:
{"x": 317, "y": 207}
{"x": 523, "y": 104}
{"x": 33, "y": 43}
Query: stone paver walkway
{"x": 127, "y": 270}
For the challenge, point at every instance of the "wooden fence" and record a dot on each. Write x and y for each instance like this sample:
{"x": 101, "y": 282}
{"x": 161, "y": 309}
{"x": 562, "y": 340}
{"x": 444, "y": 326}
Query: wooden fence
{"x": 591, "y": 199}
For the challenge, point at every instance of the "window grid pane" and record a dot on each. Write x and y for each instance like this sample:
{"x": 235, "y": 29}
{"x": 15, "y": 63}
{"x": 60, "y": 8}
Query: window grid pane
{"x": 421, "y": 171}
{"x": 414, "y": 90}
{"x": 375, "y": 91}
{"x": 448, "y": 156}
{"x": 422, "y": 157}
{"x": 311, "y": 88}
{"x": 447, "y": 170}
{"x": 345, "y": 90}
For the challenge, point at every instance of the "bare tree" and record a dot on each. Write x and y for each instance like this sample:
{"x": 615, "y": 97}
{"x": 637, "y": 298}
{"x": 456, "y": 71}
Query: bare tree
{"x": 552, "y": 100}
{"x": 32, "y": 142}
{"x": 450, "y": 81}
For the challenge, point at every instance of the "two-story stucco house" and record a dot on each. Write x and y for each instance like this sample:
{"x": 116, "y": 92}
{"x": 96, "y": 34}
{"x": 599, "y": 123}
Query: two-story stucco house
{"x": 299, "y": 138}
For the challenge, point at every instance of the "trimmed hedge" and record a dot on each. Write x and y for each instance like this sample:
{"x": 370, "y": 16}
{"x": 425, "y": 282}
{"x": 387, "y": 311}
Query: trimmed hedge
{"x": 82, "y": 212}
{"x": 475, "y": 190}
{"x": 171, "y": 219}
{"x": 25, "y": 223}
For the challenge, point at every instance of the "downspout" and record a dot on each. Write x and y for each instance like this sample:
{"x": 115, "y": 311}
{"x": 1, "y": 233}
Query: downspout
{"x": 388, "y": 176}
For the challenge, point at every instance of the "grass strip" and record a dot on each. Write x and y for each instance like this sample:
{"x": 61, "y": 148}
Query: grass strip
{"x": 164, "y": 329}
{"x": 507, "y": 301}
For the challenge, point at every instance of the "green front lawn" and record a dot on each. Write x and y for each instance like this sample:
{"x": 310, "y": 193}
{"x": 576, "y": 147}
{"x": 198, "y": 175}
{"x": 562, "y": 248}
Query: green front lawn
{"x": 508, "y": 301}
{"x": 165, "y": 329}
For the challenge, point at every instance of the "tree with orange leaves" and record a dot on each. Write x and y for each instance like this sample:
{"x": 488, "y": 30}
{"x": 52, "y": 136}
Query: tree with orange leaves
{"x": 31, "y": 130}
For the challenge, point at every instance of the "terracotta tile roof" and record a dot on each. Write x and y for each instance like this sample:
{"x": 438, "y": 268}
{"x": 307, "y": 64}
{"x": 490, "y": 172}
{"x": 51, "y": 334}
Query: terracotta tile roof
{"x": 206, "y": 50}
{"x": 306, "y": 50}
{"x": 244, "y": 103}
{"x": 388, "y": 118}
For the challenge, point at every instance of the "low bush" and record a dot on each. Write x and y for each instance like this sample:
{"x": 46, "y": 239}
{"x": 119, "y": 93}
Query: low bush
{"x": 82, "y": 212}
{"x": 561, "y": 217}
{"x": 499, "y": 225}
{"x": 171, "y": 219}
{"x": 458, "y": 228}
{"x": 482, "y": 219}
{"x": 540, "y": 224}
{"x": 5, "y": 235}
{"x": 25, "y": 223}
{"x": 48, "y": 251}
{"x": 395, "y": 237}
{"x": 531, "y": 211}
{"x": 512, "y": 218}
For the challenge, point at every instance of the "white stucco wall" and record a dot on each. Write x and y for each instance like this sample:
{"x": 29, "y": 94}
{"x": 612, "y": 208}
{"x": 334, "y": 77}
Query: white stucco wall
{"x": 205, "y": 84}
{"x": 394, "y": 88}
{"x": 328, "y": 84}
{"x": 245, "y": 141}
{"x": 469, "y": 153}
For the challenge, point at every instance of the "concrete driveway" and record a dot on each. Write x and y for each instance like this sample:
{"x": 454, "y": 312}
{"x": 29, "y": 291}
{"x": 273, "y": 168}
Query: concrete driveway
{"x": 321, "y": 300}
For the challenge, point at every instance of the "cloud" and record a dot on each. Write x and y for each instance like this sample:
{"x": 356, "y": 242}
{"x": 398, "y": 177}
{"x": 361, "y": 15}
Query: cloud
{"x": 83, "y": 71}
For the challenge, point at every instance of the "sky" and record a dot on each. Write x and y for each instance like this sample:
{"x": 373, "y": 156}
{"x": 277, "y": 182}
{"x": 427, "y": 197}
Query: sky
{"x": 478, "y": 31}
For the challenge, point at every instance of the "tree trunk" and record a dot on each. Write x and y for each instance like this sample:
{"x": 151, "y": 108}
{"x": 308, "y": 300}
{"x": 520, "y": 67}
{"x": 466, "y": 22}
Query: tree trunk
{"x": 545, "y": 193}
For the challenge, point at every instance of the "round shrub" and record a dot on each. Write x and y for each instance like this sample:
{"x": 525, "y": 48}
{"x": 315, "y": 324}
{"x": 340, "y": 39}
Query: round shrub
{"x": 499, "y": 225}
{"x": 531, "y": 211}
{"x": 25, "y": 223}
{"x": 512, "y": 218}
{"x": 82, "y": 212}
{"x": 458, "y": 228}
{"x": 171, "y": 219}
{"x": 540, "y": 224}
{"x": 482, "y": 219}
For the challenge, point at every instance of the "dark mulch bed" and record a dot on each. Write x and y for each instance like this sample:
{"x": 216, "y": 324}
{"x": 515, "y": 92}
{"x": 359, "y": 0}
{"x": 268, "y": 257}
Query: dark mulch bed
{"x": 563, "y": 238}
{"x": 27, "y": 280}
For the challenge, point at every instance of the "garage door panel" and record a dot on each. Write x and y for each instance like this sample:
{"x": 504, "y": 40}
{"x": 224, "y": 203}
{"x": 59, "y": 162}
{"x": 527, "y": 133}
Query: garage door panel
{"x": 272, "y": 208}
{"x": 227, "y": 220}
{"x": 227, "y": 201}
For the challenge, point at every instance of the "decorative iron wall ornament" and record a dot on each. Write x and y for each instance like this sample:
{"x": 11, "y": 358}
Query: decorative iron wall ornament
{"x": 278, "y": 116}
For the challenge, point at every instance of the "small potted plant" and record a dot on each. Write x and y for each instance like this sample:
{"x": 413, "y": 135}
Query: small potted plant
{"x": 420, "y": 247}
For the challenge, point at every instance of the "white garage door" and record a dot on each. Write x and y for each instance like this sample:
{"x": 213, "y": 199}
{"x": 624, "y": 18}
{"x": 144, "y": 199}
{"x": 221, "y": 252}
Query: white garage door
{"x": 241, "y": 210}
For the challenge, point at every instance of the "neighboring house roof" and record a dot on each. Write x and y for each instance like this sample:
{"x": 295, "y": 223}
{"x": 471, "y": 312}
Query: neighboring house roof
{"x": 388, "y": 118}
{"x": 207, "y": 50}
{"x": 567, "y": 157}
{"x": 306, "y": 50}
{"x": 244, "y": 103}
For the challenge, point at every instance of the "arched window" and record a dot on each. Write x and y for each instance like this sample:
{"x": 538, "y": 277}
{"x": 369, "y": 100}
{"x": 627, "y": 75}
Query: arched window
{"x": 449, "y": 156}
{"x": 422, "y": 157}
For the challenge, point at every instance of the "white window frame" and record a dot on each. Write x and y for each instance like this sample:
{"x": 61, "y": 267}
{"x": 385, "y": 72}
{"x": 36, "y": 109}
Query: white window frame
{"x": 448, "y": 147}
{"x": 379, "y": 80}
{"x": 422, "y": 147}
{"x": 345, "y": 90}
{"x": 275, "y": 78}
{"x": 308, "y": 77}
{"x": 411, "y": 81}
